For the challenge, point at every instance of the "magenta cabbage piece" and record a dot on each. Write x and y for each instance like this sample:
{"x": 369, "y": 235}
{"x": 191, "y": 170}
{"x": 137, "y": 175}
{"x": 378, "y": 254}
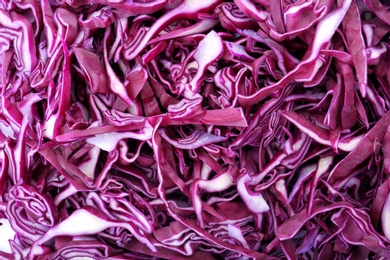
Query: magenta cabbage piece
{"x": 190, "y": 129}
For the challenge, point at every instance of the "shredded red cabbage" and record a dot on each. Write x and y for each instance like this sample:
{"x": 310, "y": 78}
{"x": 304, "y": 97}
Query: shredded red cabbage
{"x": 191, "y": 129}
